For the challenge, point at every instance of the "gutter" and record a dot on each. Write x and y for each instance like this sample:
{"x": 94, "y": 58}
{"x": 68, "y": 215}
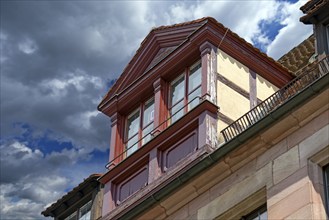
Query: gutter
{"x": 312, "y": 90}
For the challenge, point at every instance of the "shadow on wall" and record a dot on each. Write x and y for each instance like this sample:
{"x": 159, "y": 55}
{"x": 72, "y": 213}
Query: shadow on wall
{"x": 234, "y": 61}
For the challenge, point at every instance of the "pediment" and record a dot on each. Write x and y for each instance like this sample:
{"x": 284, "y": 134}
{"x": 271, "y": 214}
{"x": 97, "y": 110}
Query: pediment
{"x": 177, "y": 42}
{"x": 158, "y": 44}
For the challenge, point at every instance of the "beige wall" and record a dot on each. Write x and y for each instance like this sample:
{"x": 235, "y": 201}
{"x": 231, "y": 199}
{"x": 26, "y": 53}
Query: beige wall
{"x": 264, "y": 88}
{"x": 233, "y": 70}
{"x": 238, "y": 73}
{"x": 231, "y": 103}
{"x": 280, "y": 167}
{"x": 220, "y": 126}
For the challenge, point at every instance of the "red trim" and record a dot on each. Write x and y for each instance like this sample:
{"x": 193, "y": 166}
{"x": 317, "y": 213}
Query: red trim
{"x": 212, "y": 32}
{"x": 169, "y": 136}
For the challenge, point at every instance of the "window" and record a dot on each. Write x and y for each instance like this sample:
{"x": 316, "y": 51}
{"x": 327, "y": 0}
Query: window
{"x": 139, "y": 126}
{"x": 326, "y": 187}
{"x": 327, "y": 30}
{"x": 259, "y": 214}
{"x": 84, "y": 213}
{"x": 73, "y": 216}
{"x": 185, "y": 91}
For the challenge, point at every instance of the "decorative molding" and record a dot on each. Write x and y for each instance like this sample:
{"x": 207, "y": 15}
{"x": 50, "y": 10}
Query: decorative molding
{"x": 114, "y": 119}
{"x": 206, "y": 48}
{"x": 157, "y": 85}
{"x": 202, "y": 37}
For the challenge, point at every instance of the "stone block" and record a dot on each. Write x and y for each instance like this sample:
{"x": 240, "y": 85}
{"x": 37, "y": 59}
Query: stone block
{"x": 181, "y": 213}
{"x": 311, "y": 145}
{"x": 211, "y": 176}
{"x": 272, "y": 153}
{"x": 179, "y": 198}
{"x": 303, "y": 213}
{"x": 312, "y": 108}
{"x": 153, "y": 213}
{"x": 244, "y": 154}
{"x": 198, "y": 202}
{"x": 319, "y": 211}
{"x": 290, "y": 203}
{"x": 248, "y": 170}
{"x": 285, "y": 165}
{"x": 308, "y": 129}
{"x": 237, "y": 193}
{"x": 280, "y": 130}
{"x": 287, "y": 186}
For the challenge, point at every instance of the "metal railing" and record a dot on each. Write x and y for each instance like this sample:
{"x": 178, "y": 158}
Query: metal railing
{"x": 277, "y": 99}
{"x": 123, "y": 155}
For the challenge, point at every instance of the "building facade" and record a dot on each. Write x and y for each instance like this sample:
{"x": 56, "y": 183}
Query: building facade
{"x": 205, "y": 126}
{"x": 173, "y": 99}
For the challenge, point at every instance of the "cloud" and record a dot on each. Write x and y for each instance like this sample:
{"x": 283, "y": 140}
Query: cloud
{"x": 58, "y": 58}
{"x": 292, "y": 34}
{"x": 31, "y": 177}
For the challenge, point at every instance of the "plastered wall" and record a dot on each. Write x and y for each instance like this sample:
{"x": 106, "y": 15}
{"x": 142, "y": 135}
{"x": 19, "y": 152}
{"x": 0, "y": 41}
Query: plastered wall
{"x": 230, "y": 102}
{"x": 233, "y": 70}
{"x": 264, "y": 88}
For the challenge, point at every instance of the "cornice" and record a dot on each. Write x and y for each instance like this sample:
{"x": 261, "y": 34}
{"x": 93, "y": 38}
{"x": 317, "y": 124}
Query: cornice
{"x": 211, "y": 32}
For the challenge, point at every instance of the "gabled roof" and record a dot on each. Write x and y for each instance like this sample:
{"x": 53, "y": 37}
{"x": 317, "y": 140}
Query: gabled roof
{"x": 300, "y": 56}
{"x": 163, "y": 41}
{"x": 88, "y": 181}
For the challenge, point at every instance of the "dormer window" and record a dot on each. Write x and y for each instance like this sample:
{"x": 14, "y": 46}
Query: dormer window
{"x": 185, "y": 91}
{"x": 139, "y": 126}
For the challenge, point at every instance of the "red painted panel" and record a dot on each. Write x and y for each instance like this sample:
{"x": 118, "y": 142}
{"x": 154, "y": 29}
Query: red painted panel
{"x": 176, "y": 153}
{"x": 132, "y": 185}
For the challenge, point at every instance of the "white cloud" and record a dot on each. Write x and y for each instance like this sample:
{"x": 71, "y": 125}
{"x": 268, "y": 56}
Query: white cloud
{"x": 31, "y": 180}
{"x": 292, "y": 34}
{"x": 78, "y": 49}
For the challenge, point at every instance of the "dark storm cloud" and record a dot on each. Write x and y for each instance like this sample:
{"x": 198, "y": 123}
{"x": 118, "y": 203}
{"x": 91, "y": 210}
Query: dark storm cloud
{"x": 43, "y": 41}
{"x": 57, "y": 60}
{"x": 65, "y": 34}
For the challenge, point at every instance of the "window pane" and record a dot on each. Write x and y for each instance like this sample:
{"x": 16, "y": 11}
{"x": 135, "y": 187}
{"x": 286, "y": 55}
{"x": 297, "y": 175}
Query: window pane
{"x": 263, "y": 216}
{"x": 148, "y": 116}
{"x": 194, "y": 77}
{"x": 146, "y": 134}
{"x": 326, "y": 187}
{"x": 84, "y": 213}
{"x": 132, "y": 145}
{"x": 133, "y": 124}
{"x": 192, "y": 98}
{"x": 258, "y": 214}
{"x": 177, "y": 89}
{"x": 177, "y": 111}
{"x": 73, "y": 216}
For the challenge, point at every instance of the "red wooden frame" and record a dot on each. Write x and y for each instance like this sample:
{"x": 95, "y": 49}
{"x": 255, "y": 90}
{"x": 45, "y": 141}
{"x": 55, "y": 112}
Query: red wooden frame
{"x": 141, "y": 109}
{"x": 186, "y": 76}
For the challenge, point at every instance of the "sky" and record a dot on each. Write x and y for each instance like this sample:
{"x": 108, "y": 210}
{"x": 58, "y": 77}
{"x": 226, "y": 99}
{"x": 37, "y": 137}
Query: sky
{"x": 59, "y": 58}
